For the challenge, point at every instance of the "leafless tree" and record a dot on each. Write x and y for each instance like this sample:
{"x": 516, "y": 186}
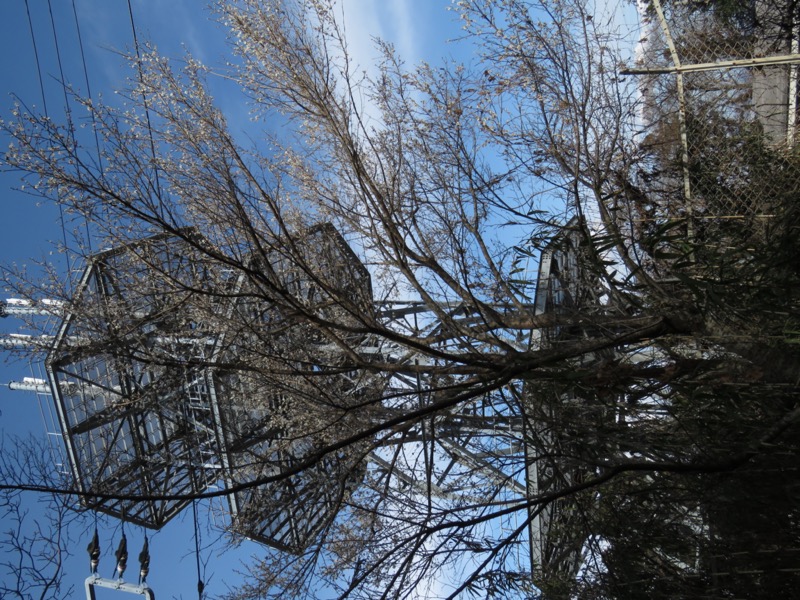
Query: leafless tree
{"x": 36, "y": 537}
{"x": 657, "y": 364}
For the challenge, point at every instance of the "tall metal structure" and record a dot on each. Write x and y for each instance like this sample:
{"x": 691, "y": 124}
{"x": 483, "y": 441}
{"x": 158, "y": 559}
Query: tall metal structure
{"x": 153, "y": 410}
{"x": 147, "y": 411}
{"x": 564, "y": 287}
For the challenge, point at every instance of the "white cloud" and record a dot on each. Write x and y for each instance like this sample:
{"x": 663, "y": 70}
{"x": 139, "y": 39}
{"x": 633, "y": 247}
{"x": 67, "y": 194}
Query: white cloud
{"x": 366, "y": 20}
{"x": 619, "y": 18}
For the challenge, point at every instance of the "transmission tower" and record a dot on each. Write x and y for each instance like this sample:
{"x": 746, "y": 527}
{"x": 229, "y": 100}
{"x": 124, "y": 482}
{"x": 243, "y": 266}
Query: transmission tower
{"x": 142, "y": 370}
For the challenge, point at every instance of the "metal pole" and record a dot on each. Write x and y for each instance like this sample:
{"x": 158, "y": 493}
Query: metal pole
{"x": 739, "y": 63}
{"x": 687, "y": 191}
{"x": 791, "y": 120}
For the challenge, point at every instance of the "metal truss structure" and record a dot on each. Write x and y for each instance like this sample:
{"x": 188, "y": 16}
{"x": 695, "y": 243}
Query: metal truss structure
{"x": 148, "y": 417}
{"x": 151, "y": 416}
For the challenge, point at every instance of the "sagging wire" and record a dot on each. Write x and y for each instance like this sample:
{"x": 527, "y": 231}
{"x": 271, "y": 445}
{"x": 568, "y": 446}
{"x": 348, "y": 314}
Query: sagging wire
{"x": 146, "y": 112}
{"x": 70, "y": 129}
{"x": 47, "y": 114}
{"x": 36, "y": 56}
{"x": 91, "y": 111}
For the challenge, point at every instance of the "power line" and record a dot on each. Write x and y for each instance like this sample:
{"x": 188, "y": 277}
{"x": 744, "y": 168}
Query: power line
{"x": 146, "y": 110}
{"x": 46, "y": 112}
{"x": 91, "y": 111}
{"x": 63, "y": 80}
{"x": 70, "y": 130}
{"x": 36, "y": 55}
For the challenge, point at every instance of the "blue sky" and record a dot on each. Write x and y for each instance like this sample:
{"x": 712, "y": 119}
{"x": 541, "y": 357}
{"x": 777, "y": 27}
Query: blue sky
{"x": 418, "y": 28}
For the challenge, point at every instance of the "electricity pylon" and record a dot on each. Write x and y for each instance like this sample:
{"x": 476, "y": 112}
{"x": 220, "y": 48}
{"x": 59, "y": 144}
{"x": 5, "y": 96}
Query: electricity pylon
{"x": 153, "y": 411}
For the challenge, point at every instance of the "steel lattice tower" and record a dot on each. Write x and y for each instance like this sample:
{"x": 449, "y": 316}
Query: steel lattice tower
{"x": 150, "y": 405}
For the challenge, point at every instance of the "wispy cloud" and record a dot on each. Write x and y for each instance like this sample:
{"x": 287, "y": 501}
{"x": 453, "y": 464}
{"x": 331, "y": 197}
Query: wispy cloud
{"x": 392, "y": 21}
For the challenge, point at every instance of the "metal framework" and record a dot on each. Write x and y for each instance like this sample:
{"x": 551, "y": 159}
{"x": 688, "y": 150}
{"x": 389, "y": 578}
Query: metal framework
{"x": 94, "y": 581}
{"x": 554, "y": 458}
{"x": 149, "y": 410}
{"x": 147, "y": 413}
